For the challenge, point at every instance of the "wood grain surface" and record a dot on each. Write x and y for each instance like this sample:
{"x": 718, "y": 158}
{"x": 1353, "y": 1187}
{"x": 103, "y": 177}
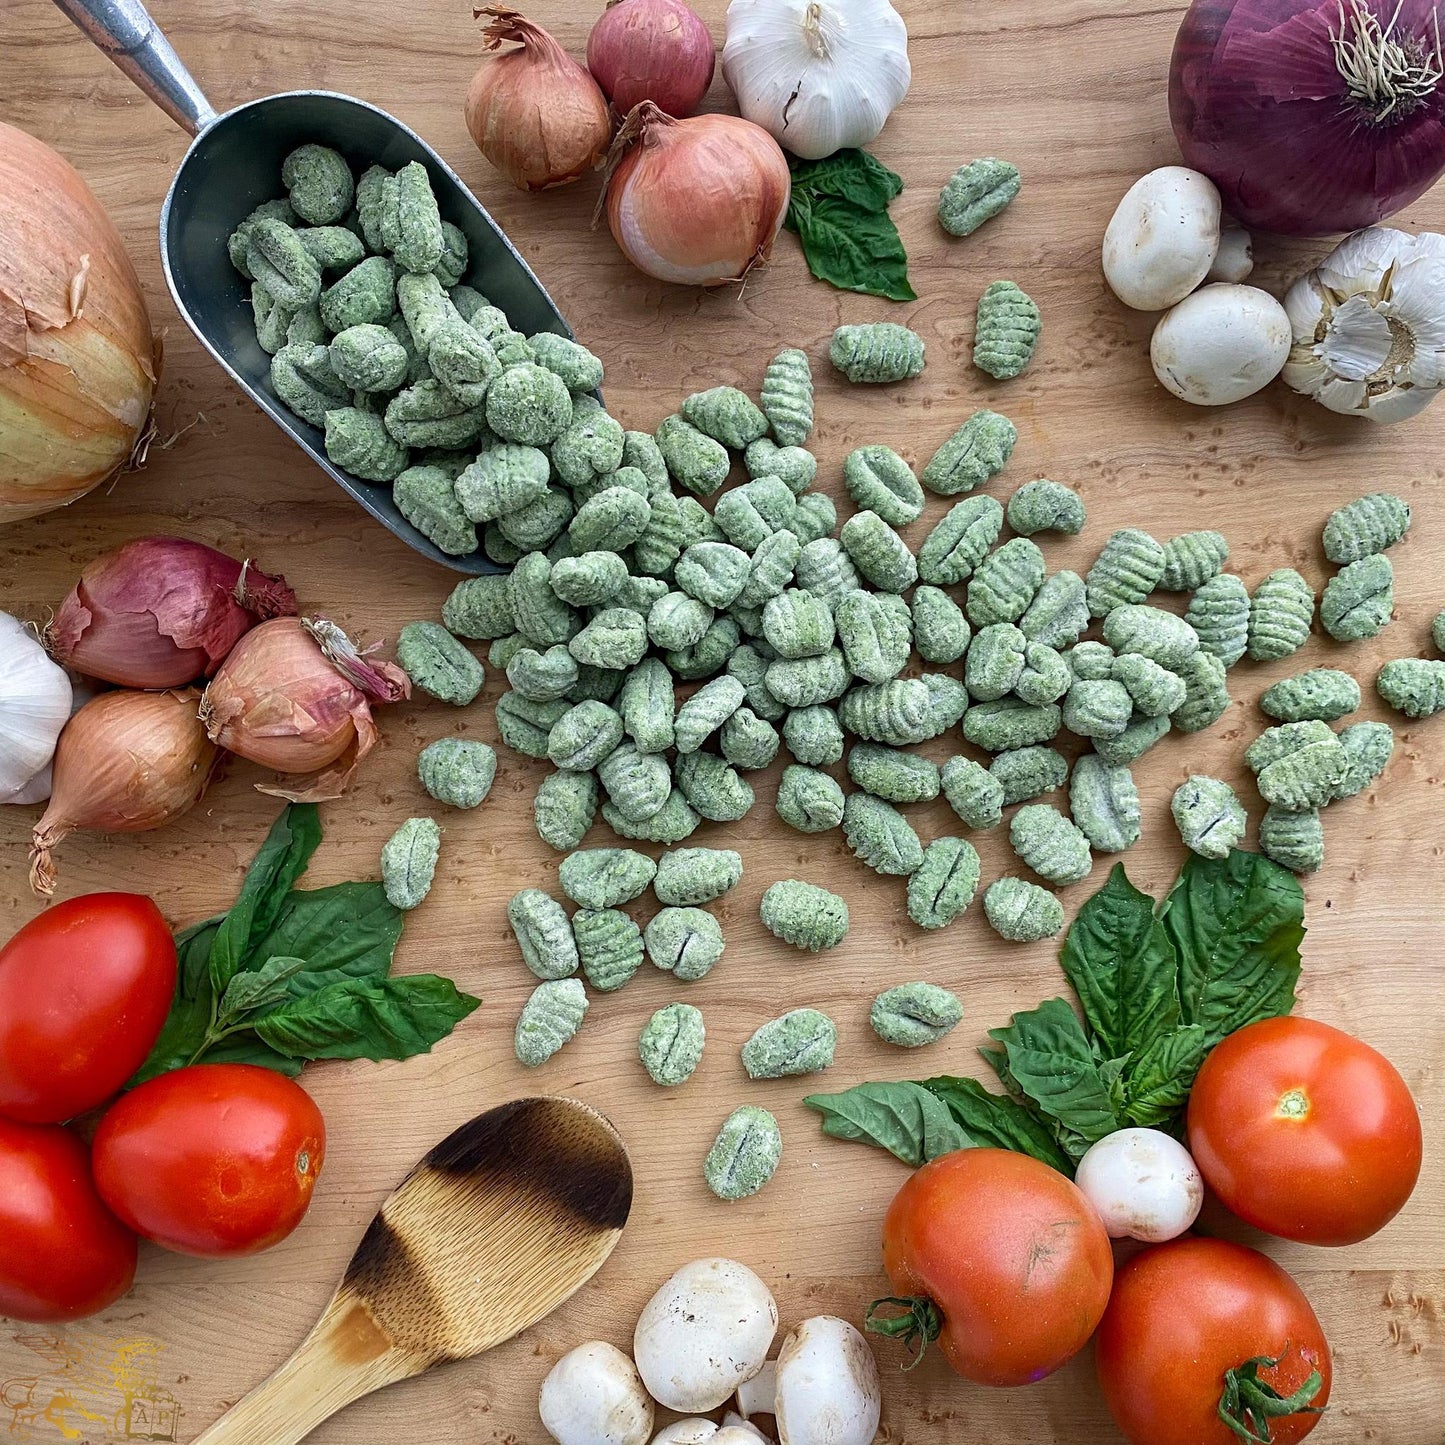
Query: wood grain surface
{"x": 1074, "y": 92}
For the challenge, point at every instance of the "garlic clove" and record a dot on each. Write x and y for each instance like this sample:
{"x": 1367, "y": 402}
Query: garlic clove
{"x": 1357, "y": 341}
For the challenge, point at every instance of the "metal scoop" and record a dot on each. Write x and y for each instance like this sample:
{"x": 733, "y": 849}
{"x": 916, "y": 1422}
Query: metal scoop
{"x": 233, "y": 165}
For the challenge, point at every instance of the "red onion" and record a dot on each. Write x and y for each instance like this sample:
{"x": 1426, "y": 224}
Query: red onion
{"x": 295, "y": 695}
{"x": 162, "y": 611}
{"x": 1311, "y": 116}
{"x": 657, "y": 50}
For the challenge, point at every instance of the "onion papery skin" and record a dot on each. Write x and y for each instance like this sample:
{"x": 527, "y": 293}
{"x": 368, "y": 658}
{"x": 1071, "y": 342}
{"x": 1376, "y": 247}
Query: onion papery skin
{"x": 657, "y": 50}
{"x": 125, "y": 763}
{"x": 160, "y": 612}
{"x": 536, "y": 114}
{"x": 698, "y": 202}
{"x": 1259, "y": 105}
{"x": 78, "y": 362}
{"x": 279, "y": 700}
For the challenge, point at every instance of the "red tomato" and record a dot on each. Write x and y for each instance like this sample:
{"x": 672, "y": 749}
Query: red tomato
{"x": 62, "y": 1254}
{"x": 215, "y": 1159}
{"x": 84, "y": 990}
{"x": 1183, "y": 1316}
{"x": 1009, "y": 1253}
{"x": 1305, "y": 1132}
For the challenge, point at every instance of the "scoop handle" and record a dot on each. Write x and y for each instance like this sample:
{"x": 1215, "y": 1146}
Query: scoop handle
{"x": 124, "y": 30}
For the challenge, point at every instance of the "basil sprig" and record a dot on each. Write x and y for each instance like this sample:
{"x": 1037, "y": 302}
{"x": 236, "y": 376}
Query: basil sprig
{"x": 1157, "y": 985}
{"x": 289, "y": 975}
{"x": 839, "y": 211}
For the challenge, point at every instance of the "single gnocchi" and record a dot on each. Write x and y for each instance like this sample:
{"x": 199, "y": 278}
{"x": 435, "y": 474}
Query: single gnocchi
{"x": 787, "y": 397}
{"x": 1050, "y": 844}
{"x": 1045, "y": 506}
{"x": 1280, "y": 613}
{"x": 976, "y": 452}
{"x": 1414, "y": 686}
{"x": 976, "y": 193}
{"x": 941, "y": 888}
{"x": 805, "y": 915}
{"x": 1127, "y": 570}
{"x": 1367, "y": 525}
{"x": 1219, "y": 613}
{"x": 1359, "y": 599}
{"x": 1006, "y": 332}
{"x": 1210, "y": 818}
{"x": 1022, "y": 912}
{"x": 878, "y": 352}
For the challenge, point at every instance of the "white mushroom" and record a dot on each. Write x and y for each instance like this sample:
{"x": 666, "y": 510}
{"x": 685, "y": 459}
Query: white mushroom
{"x": 1143, "y": 1183}
{"x": 703, "y": 1333}
{"x": 1162, "y": 238}
{"x": 758, "y": 1395}
{"x": 1235, "y": 258}
{"x": 828, "y": 1391}
{"x": 687, "y": 1432}
{"x": 737, "y": 1431}
{"x": 1221, "y": 344}
{"x": 593, "y": 1396}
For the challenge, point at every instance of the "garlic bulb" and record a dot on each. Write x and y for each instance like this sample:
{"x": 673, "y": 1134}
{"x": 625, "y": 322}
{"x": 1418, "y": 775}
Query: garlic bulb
{"x": 1369, "y": 325}
{"x": 34, "y": 706}
{"x": 818, "y": 74}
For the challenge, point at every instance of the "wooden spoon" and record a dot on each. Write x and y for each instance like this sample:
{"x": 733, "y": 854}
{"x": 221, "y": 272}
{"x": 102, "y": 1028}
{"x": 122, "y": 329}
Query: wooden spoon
{"x": 501, "y": 1222}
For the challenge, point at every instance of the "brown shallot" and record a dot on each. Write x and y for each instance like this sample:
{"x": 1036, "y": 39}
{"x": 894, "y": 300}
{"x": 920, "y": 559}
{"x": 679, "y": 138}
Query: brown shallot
{"x": 162, "y": 611}
{"x": 295, "y": 695}
{"x": 534, "y": 112}
{"x": 699, "y": 201}
{"x": 125, "y": 763}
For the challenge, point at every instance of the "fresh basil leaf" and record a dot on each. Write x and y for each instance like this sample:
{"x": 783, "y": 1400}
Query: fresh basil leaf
{"x": 1236, "y": 924}
{"x": 282, "y": 859}
{"x": 394, "y": 1018}
{"x": 839, "y": 211}
{"x": 851, "y": 175}
{"x": 1122, "y": 966}
{"x": 259, "y": 988}
{"x": 192, "y": 1006}
{"x": 998, "y": 1122}
{"x": 347, "y": 931}
{"x": 851, "y": 249}
{"x": 246, "y": 1048}
{"x": 905, "y": 1119}
{"x": 1163, "y": 1074}
{"x": 1053, "y": 1062}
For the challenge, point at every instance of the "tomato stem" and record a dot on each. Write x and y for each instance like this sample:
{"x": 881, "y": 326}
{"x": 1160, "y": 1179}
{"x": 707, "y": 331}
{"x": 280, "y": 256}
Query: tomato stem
{"x": 918, "y": 1326}
{"x": 1248, "y": 1403}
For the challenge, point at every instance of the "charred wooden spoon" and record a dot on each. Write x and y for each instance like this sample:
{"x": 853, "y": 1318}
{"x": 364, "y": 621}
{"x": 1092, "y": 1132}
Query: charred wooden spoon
{"x": 501, "y": 1222}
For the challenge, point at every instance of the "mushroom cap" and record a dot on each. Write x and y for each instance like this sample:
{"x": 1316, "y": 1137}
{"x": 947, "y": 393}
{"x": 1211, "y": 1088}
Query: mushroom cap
{"x": 691, "y": 1431}
{"x": 1162, "y": 238}
{"x": 594, "y": 1396}
{"x": 828, "y": 1389}
{"x": 1144, "y": 1184}
{"x": 703, "y": 1333}
{"x": 1221, "y": 344}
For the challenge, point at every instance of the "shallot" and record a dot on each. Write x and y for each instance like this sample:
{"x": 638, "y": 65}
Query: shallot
{"x": 162, "y": 611}
{"x": 295, "y": 695}
{"x": 698, "y": 202}
{"x": 125, "y": 763}
{"x": 534, "y": 112}
{"x": 657, "y": 50}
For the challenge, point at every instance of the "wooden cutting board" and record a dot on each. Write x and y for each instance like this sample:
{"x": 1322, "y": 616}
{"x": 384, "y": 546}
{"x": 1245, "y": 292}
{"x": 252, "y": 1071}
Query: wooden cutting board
{"x": 1074, "y": 92}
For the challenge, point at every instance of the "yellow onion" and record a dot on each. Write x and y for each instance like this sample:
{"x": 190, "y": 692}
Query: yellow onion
{"x": 696, "y": 201}
{"x": 535, "y": 113}
{"x": 295, "y": 694}
{"x": 77, "y": 360}
{"x": 125, "y": 763}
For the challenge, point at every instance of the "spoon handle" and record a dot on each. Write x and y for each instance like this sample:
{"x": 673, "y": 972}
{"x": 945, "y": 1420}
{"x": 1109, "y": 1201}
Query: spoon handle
{"x": 345, "y": 1357}
{"x": 124, "y": 30}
